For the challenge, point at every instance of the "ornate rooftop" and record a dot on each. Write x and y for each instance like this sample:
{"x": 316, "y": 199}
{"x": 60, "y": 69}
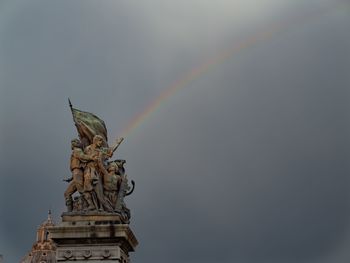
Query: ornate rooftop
{"x": 44, "y": 249}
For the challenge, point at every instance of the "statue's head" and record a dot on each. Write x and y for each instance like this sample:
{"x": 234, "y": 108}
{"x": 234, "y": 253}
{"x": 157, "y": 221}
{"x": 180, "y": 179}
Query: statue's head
{"x": 120, "y": 165}
{"x": 75, "y": 143}
{"x": 112, "y": 167}
{"x": 98, "y": 140}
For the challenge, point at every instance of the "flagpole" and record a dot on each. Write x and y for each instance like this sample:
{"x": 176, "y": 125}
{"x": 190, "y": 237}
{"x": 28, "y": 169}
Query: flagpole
{"x": 71, "y": 109}
{"x": 70, "y": 104}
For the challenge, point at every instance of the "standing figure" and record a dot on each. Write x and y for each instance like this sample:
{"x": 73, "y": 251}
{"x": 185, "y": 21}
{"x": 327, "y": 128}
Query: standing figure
{"x": 93, "y": 189}
{"x": 78, "y": 161}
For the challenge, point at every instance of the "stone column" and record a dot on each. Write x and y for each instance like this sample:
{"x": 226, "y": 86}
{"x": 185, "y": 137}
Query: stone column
{"x": 93, "y": 237}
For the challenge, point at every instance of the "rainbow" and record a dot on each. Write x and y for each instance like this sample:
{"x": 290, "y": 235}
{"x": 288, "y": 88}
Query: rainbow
{"x": 186, "y": 79}
{"x": 221, "y": 57}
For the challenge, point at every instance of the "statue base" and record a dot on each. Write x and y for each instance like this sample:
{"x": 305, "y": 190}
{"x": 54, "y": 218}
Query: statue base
{"x": 93, "y": 237}
{"x": 93, "y": 216}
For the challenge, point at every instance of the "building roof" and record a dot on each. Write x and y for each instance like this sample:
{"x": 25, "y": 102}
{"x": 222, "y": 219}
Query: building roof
{"x": 44, "y": 249}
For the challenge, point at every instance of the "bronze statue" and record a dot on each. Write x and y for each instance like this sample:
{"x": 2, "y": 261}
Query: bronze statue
{"x": 77, "y": 164}
{"x": 111, "y": 183}
{"x": 101, "y": 184}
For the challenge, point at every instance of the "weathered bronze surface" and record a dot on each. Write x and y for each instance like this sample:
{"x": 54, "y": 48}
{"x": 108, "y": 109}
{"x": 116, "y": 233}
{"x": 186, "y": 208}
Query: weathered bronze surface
{"x": 98, "y": 184}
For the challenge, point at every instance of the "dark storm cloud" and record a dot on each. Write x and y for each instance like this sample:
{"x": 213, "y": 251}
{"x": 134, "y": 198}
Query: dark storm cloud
{"x": 248, "y": 163}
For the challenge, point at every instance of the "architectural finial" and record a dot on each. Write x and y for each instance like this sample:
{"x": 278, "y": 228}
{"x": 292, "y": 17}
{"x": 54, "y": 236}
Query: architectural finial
{"x": 49, "y": 217}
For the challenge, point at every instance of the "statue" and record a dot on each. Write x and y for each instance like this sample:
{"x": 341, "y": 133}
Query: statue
{"x": 116, "y": 186}
{"x": 77, "y": 164}
{"x": 98, "y": 184}
{"x": 111, "y": 183}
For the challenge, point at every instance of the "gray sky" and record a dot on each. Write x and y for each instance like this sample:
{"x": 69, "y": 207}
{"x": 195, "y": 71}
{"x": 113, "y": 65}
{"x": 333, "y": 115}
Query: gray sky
{"x": 247, "y": 163}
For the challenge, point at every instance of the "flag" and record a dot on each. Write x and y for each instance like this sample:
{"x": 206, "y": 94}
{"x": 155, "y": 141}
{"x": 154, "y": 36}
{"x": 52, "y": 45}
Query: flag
{"x": 88, "y": 125}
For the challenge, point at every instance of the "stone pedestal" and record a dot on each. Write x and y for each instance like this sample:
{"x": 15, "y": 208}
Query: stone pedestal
{"x": 93, "y": 237}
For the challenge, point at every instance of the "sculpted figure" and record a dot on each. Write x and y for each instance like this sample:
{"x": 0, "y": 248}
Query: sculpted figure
{"x": 115, "y": 187}
{"x": 78, "y": 161}
{"x": 102, "y": 185}
{"x": 111, "y": 182}
{"x": 93, "y": 189}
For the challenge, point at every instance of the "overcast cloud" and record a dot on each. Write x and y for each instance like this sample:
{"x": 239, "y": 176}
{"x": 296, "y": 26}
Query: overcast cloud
{"x": 248, "y": 163}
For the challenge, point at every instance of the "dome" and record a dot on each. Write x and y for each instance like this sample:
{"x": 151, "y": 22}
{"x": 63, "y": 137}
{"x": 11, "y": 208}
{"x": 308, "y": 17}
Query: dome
{"x": 44, "y": 249}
